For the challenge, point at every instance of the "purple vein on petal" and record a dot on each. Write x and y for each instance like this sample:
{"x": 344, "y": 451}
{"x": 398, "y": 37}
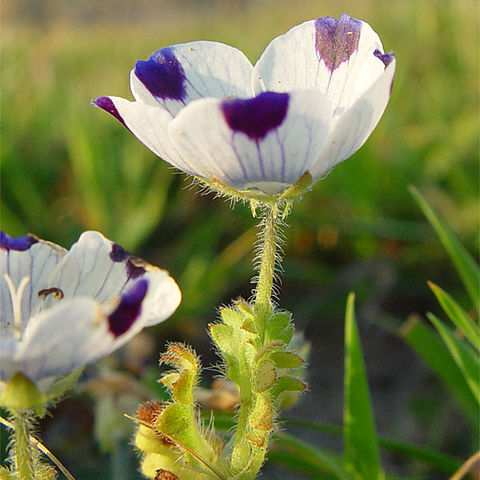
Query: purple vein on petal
{"x": 129, "y": 308}
{"x": 336, "y": 40}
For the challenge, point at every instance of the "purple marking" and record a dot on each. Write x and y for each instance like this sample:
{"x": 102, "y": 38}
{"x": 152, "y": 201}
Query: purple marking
{"x": 119, "y": 254}
{"x": 129, "y": 308}
{"x": 107, "y": 104}
{"x": 386, "y": 58}
{"x": 19, "y": 243}
{"x": 162, "y": 74}
{"x": 256, "y": 116}
{"x": 336, "y": 40}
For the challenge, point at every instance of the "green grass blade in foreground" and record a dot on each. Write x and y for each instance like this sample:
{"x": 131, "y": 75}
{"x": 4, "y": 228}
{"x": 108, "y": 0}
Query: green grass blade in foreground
{"x": 457, "y": 315}
{"x": 362, "y": 456}
{"x": 466, "y": 359}
{"x": 302, "y": 454}
{"x": 431, "y": 349}
{"x": 463, "y": 261}
{"x": 439, "y": 460}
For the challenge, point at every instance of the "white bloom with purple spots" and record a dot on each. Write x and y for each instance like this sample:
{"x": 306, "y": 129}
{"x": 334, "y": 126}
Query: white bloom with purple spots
{"x": 311, "y": 101}
{"x": 61, "y": 310}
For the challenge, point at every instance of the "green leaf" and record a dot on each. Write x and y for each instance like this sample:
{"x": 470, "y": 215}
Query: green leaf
{"x": 463, "y": 261}
{"x": 465, "y": 358}
{"x": 362, "y": 456}
{"x": 457, "y": 315}
{"x": 434, "y": 458}
{"x": 315, "y": 458}
{"x": 431, "y": 349}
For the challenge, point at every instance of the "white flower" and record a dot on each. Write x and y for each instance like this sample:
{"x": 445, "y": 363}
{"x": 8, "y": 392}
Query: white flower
{"x": 311, "y": 101}
{"x": 63, "y": 309}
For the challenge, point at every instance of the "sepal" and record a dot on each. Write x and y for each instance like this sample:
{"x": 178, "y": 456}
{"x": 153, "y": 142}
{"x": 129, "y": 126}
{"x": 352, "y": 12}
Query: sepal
{"x": 21, "y": 394}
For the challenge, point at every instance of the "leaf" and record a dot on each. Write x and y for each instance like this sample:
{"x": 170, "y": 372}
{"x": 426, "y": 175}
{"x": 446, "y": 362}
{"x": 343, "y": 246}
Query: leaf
{"x": 307, "y": 455}
{"x": 434, "y": 458}
{"x": 465, "y": 357}
{"x": 430, "y": 348}
{"x": 362, "y": 456}
{"x": 457, "y": 315}
{"x": 463, "y": 261}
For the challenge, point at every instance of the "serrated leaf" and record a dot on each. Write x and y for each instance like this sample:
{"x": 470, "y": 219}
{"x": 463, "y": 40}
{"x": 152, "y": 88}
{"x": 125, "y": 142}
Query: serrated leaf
{"x": 288, "y": 384}
{"x": 264, "y": 376}
{"x": 286, "y": 360}
{"x": 223, "y": 335}
{"x": 279, "y": 328}
{"x": 465, "y": 358}
{"x": 464, "y": 263}
{"x": 232, "y": 317}
{"x": 362, "y": 456}
{"x": 457, "y": 315}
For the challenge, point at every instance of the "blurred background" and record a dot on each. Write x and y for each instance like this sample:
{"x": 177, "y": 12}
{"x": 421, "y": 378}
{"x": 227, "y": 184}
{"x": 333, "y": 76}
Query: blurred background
{"x": 67, "y": 167}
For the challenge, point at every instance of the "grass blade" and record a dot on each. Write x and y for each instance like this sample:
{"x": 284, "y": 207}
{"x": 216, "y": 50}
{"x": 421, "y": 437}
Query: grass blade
{"x": 314, "y": 458}
{"x": 434, "y": 353}
{"x": 465, "y": 358}
{"x": 463, "y": 261}
{"x": 439, "y": 460}
{"x": 457, "y": 315}
{"x": 362, "y": 456}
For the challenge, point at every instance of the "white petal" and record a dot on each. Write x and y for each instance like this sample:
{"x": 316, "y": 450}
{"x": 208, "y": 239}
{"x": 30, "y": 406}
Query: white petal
{"x": 353, "y": 128}
{"x": 294, "y": 61}
{"x": 25, "y": 257}
{"x": 59, "y": 340}
{"x": 94, "y": 267}
{"x": 268, "y": 158}
{"x": 163, "y": 297}
{"x": 148, "y": 123}
{"x": 176, "y": 75}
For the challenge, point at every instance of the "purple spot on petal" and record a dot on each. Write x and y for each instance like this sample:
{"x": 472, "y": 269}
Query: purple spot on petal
{"x": 256, "y": 116}
{"x": 162, "y": 74}
{"x": 386, "y": 58}
{"x": 19, "y": 243}
{"x": 118, "y": 253}
{"x": 129, "y": 308}
{"x": 107, "y": 104}
{"x": 336, "y": 40}
{"x": 133, "y": 265}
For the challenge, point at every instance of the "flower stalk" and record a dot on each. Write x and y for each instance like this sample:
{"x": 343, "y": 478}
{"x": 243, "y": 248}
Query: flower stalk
{"x": 263, "y": 293}
{"x": 23, "y": 452}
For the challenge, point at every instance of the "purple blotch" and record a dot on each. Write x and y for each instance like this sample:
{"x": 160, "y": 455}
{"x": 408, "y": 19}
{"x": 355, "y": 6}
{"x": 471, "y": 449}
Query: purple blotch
{"x": 162, "y": 74}
{"x": 107, "y": 104}
{"x": 129, "y": 308}
{"x": 386, "y": 58}
{"x": 16, "y": 243}
{"x": 336, "y": 40}
{"x": 119, "y": 254}
{"x": 256, "y": 116}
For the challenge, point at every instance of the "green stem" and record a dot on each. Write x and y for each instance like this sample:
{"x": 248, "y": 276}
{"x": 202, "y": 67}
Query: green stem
{"x": 24, "y": 462}
{"x": 244, "y": 452}
{"x": 263, "y": 296}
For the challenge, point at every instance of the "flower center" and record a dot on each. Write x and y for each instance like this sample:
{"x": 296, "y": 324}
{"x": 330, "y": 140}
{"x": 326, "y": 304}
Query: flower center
{"x": 16, "y": 295}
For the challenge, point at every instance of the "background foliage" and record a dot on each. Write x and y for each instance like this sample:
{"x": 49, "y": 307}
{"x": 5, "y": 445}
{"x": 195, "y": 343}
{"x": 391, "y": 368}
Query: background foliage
{"x": 67, "y": 167}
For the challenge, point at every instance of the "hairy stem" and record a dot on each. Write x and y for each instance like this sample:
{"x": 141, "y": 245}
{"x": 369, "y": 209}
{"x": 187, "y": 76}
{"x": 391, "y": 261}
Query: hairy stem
{"x": 247, "y": 456}
{"x": 263, "y": 295}
{"x": 24, "y": 461}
